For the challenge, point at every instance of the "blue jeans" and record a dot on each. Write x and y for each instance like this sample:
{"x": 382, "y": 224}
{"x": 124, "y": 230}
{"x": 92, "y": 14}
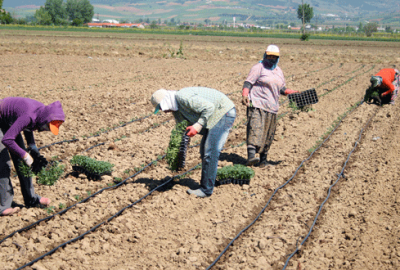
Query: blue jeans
{"x": 210, "y": 148}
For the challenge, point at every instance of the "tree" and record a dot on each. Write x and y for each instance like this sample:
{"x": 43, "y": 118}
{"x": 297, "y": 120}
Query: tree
{"x": 80, "y": 9}
{"x": 369, "y": 28}
{"x": 153, "y": 25}
{"x": 207, "y": 21}
{"x": 360, "y": 27}
{"x": 57, "y": 11}
{"x": 43, "y": 17}
{"x": 5, "y": 17}
{"x": 305, "y": 13}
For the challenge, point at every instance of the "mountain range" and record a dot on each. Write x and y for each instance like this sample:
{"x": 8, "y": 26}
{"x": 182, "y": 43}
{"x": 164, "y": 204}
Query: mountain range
{"x": 262, "y": 12}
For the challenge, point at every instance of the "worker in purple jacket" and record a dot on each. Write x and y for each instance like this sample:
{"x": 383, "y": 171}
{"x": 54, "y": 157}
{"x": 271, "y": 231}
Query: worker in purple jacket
{"x": 25, "y": 115}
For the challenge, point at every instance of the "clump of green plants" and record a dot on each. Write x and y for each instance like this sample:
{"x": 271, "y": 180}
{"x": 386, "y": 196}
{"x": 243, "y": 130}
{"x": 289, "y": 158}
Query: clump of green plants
{"x": 371, "y": 93}
{"x": 47, "y": 175}
{"x": 172, "y": 156}
{"x": 92, "y": 165}
{"x": 305, "y": 37}
{"x": 296, "y": 109}
{"x": 236, "y": 171}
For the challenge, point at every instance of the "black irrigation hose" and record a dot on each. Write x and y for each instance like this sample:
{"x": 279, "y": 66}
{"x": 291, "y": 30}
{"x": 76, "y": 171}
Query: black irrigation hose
{"x": 82, "y": 201}
{"x": 276, "y": 190}
{"x": 106, "y": 131}
{"x": 108, "y": 220}
{"x": 350, "y": 79}
{"x": 73, "y": 140}
{"x": 340, "y": 175}
{"x": 117, "y": 214}
{"x": 329, "y": 191}
{"x": 139, "y": 119}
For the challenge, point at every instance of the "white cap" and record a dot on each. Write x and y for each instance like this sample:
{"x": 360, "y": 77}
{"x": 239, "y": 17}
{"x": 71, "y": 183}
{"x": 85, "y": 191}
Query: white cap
{"x": 157, "y": 97}
{"x": 272, "y": 50}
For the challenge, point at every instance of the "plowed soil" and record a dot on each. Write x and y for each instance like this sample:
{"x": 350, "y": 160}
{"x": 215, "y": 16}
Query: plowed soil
{"x": 347, "y": 220}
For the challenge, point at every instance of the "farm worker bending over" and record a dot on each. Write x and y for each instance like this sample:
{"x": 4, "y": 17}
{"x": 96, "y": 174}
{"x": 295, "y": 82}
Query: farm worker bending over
{"x": 261, "y": 91}
{"x": 387, "y": 82}
{"x": 211, "y": 114}
{"x": 23, "y": 114}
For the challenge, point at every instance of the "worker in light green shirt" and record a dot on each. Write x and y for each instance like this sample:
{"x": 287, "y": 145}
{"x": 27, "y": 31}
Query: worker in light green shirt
{"x": 211, "y": 114}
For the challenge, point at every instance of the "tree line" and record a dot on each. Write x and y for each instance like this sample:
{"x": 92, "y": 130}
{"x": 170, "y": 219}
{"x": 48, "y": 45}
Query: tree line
{"x": 56, "y": 12}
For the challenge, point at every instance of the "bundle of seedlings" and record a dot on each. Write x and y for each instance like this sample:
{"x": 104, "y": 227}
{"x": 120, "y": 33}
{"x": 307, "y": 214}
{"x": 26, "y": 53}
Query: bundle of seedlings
{"x": 92, "y": 168}
{"x": 236, "y": 174}
{"x": 39, "y": 161}
{"x": 372, "y": 94}
{"x": 47, "y": 175}
{"x": 177, "y": 148}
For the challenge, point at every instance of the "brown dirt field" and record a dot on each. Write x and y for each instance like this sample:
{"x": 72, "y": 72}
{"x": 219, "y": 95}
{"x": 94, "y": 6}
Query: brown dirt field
{"x": 105, "y": 80}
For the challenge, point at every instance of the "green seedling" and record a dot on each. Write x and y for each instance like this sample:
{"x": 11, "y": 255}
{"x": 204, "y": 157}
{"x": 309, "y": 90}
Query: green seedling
{"x": 50, "y": 209}
{"x": 174, "y": 144}
{"x": 47, "y": 176}
{"x": 92, "y": 165}
{"x": 77, "y": 197}
{"x": 236, "y": 171}
{"x": 88, "y": 192}
{"x": 117, "y": 179}
{"x": 61, "y": 206}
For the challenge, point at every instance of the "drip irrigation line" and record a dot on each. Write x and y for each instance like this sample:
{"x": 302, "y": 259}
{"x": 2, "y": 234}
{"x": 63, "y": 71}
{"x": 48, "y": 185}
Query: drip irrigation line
{"x": 73, "y": 140}
{"x": 276, "y": 190}
{"x": 110, "y": 218}
{"x": 142, "y": 118}
{"x": 106, "y": 221}
{"x": 340, "y": 175}
{"x": 106, "y": 131}
{"x": 82, "y": 201}
{"x": 90, "y": 148}
{"x": 329, "y": 91}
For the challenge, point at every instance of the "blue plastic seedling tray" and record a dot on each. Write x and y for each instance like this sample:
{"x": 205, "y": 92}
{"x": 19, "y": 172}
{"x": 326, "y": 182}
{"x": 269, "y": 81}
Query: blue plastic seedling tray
{"x": 304, "y": 98}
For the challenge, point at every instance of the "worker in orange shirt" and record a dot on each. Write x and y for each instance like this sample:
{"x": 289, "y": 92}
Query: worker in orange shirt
{"x": 387, "y": 82}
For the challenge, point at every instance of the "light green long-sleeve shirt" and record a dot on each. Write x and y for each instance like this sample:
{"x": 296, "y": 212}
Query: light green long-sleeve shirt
{"x": 203, "y": 105}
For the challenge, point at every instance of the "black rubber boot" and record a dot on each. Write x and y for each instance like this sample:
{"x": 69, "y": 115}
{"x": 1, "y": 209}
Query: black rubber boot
{"x": 252, "y": 159}
{"x": 263, "y": 160}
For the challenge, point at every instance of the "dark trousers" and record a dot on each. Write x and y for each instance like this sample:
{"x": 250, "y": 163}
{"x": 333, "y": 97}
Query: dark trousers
{"x": 6, "y": 188}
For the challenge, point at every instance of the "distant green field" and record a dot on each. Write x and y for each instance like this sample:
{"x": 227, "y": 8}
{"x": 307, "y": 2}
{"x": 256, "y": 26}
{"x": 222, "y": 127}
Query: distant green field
{"x": 211, "y": 32}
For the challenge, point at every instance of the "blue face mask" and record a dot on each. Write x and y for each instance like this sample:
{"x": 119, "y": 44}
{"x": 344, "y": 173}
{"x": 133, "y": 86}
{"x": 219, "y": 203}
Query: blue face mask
{"x": 270, "y": 64}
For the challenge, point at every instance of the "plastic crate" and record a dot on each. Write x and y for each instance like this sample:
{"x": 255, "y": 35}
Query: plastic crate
{"x": 304, "y": 98}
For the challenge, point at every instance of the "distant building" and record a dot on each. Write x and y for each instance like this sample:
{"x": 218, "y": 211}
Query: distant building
{"x": 111, "y": 21}
{"x": 111, "y": 25}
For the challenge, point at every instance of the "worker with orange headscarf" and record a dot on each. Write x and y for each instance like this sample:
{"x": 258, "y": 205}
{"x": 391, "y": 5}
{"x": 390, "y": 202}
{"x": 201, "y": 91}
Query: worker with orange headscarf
{"x": 18, "y": 114}
{"x": 386, "y": 81}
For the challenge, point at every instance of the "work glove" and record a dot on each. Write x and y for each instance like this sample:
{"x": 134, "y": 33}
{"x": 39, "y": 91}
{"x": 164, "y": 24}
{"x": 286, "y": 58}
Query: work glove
{"x": 246, "y": 101}
{"x": 28, "y": 159}
{"x": 290, "y": 91}
{"x": 33, "y": 149}
{"x": 193, "y": 130}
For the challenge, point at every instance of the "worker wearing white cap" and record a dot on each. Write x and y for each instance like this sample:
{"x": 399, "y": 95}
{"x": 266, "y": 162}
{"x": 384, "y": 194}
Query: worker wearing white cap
{"x": 211, "y": 114}
{"x": 261, "y": 90}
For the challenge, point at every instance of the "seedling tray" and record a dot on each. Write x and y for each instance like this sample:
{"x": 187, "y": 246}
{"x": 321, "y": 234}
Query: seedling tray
{"x": 304, "y": 98}
{"x": 183, "y": 151}
{"x": 232, "y": 181}
{"x": 90, "y": 175}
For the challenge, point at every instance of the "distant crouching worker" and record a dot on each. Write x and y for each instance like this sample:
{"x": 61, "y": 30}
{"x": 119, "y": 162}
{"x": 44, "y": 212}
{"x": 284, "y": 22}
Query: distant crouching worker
{"x": 211, "y": 114}
{"x": 387, "y": 82}
{"x": 18, "y": 114}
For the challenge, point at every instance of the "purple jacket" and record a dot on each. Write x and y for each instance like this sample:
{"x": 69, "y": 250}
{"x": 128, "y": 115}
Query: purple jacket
{"x": 24, "y": 114}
